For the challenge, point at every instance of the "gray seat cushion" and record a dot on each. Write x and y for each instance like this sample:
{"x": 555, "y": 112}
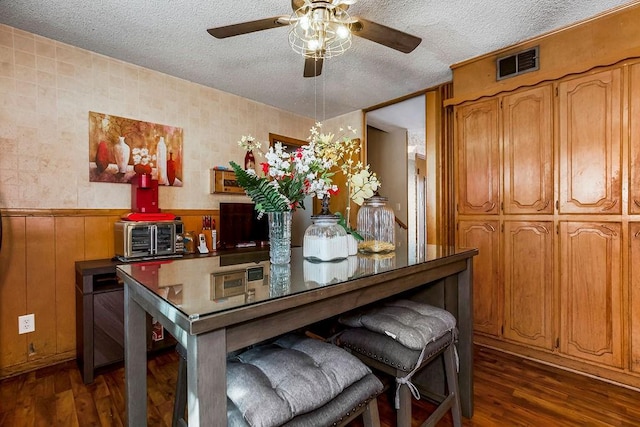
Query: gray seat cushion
{"x": 296, "y": 378}
{"x": 389, "y": 351}
{"x": 412, "y": 324}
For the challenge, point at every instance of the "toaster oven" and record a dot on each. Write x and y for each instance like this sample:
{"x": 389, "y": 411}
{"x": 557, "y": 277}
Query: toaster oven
{"x": 141, "y": 239}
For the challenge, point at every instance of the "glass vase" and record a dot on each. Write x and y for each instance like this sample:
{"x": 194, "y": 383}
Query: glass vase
{"x": 279, "y": 237}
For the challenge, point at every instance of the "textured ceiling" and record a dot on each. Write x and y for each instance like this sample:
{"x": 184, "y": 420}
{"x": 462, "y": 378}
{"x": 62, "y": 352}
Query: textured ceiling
{"x": 170, "y": 36}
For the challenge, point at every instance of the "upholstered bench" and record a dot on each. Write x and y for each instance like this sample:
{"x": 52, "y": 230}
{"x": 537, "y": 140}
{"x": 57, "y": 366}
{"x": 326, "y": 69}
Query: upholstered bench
{"x": 294, "y": 381}
{"x": 400, "y": 338}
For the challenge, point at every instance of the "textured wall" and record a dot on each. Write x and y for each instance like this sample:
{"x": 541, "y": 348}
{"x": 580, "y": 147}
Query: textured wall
{"x": 47, "y": 89}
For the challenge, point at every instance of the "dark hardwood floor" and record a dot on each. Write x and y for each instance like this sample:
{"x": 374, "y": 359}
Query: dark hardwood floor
{"x": 509, "y": 391}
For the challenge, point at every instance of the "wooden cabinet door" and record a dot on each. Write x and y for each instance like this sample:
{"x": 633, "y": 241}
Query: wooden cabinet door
{"x": 478, "y": 158}
{"x": 634, "y": 302}
{"x": 589, "y": 141}
{"x": 591, "y": 291}
{"x": 527, "y": 126}
{"x": 487, "y": 288}
{"x": 634, "y": 143}
{"x": 528, "y": 282}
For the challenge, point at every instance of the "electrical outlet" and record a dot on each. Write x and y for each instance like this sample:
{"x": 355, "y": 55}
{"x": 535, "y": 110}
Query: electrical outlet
{"x": 26, "y": 323}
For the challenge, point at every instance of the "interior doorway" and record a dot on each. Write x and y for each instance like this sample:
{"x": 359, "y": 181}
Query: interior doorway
{"x": 396, "y": 151}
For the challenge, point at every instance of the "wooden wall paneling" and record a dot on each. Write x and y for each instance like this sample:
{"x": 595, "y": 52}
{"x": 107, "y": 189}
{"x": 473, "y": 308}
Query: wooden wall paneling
{"x": 634, "y": 300}
{"x": 487, "y": 285}
{"x": 590, "y": 114}
{"x": 478, "y": 148}
{"x": 591, "y": 291}
{"x": 528, "y": 282}
{"x": 41, "y": 286}
{"x": 13, "y": 291}
{"x": 634, "y": 142}
{"x": 98, "y": 236}
{"x": 527, "y": 126}
{"x": 194, "y": 223}
{"x": 69, "y": 241}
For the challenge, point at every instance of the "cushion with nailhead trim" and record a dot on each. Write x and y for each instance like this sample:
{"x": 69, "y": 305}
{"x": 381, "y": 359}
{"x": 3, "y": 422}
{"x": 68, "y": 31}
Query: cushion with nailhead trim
{"x": 388, "y": 351}
{"x": 412, "y": 324}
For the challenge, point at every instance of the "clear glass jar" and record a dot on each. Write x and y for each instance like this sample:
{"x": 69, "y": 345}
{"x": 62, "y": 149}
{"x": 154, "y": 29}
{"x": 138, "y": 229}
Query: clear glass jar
{"x": 325, "y": 239}
{"x": 189, "y": 241}
{"x": 376, "y": 223}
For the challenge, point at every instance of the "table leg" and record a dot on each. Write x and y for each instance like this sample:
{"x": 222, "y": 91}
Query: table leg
{"x": 207, "y": 378}
{"x": 465, "y": 338}
{"x": 135, "y": 361}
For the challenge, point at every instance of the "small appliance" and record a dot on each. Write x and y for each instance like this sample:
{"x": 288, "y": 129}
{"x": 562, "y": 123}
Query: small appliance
{"x": 144, "y": 194}
{"x": 135, "y": 240}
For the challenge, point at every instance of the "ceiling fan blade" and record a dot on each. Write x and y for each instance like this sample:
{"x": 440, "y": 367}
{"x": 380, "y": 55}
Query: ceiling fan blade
{"x": 390, "y": 37}
{"x": 248, "y": 27}
{"x": 297, "y": 4}
{"x": 312, "y": 67}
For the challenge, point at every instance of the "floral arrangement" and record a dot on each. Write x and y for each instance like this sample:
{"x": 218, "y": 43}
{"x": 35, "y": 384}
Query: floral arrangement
{"x": 291, "y": 176}
{"x": 361, "y": 182}
{"x": 288, "y": 176}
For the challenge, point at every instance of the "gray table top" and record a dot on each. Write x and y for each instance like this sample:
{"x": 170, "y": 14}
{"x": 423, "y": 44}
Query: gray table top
{"x": 198, "y": 287}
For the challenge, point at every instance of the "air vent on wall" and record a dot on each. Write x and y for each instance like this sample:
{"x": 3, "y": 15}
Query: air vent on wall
{"x": 517, "y": 63}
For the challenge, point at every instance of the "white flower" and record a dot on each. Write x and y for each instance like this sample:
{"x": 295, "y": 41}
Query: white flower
{"x": 141, "y": 156}
{"x": 249, "y": 143}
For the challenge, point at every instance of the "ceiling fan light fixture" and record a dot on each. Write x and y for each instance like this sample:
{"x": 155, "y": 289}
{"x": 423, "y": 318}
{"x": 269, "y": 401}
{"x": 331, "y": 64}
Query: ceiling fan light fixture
{"x": 320, "y": 30}
{"x": 313, "y": 45}
{"x": 343, "y": 32}
{"x": 304, "y": 23}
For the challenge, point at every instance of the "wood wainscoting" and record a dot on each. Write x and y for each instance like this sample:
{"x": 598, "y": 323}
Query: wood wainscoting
{"x": 37, "y": 275}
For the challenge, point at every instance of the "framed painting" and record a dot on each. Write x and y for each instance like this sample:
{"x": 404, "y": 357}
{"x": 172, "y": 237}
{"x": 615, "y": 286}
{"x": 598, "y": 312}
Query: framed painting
{"x": 120, "y": 147}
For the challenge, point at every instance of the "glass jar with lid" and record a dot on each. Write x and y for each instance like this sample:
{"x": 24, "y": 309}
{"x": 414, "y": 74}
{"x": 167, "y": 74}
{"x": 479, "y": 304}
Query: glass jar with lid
{"x": 376, "y": 223}
{"x": 325, "y": 239}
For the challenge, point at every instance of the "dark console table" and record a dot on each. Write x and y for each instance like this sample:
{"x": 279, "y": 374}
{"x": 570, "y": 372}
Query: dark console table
{"x": 100, "y": 318}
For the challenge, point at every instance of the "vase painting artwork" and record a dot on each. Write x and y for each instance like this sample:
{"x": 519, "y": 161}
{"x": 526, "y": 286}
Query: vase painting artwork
{"x": 120, "y": 148}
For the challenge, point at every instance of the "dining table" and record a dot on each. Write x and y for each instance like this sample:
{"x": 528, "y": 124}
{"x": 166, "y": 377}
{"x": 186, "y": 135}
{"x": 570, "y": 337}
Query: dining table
{"x": 217, "y": 304}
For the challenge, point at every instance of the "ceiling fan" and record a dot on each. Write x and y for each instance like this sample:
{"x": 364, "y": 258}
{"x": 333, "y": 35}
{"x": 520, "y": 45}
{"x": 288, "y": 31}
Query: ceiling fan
{"x": 321, "y": 29}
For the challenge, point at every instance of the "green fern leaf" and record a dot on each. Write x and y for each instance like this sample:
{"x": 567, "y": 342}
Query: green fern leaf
{"x": 262, "y": 192}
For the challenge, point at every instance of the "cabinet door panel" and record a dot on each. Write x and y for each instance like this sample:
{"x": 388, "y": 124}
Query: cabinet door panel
{"x": 528, "y": 282}
{"x": 634, "y": 143}
{"x": 487, "y": 289}
{"x": 634, "y": 302}
{"x": 478, "y": 158}
{"x": 589, "y": 125}
{"x": 528, "y": 151}
{"x": 591, "y": 291}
